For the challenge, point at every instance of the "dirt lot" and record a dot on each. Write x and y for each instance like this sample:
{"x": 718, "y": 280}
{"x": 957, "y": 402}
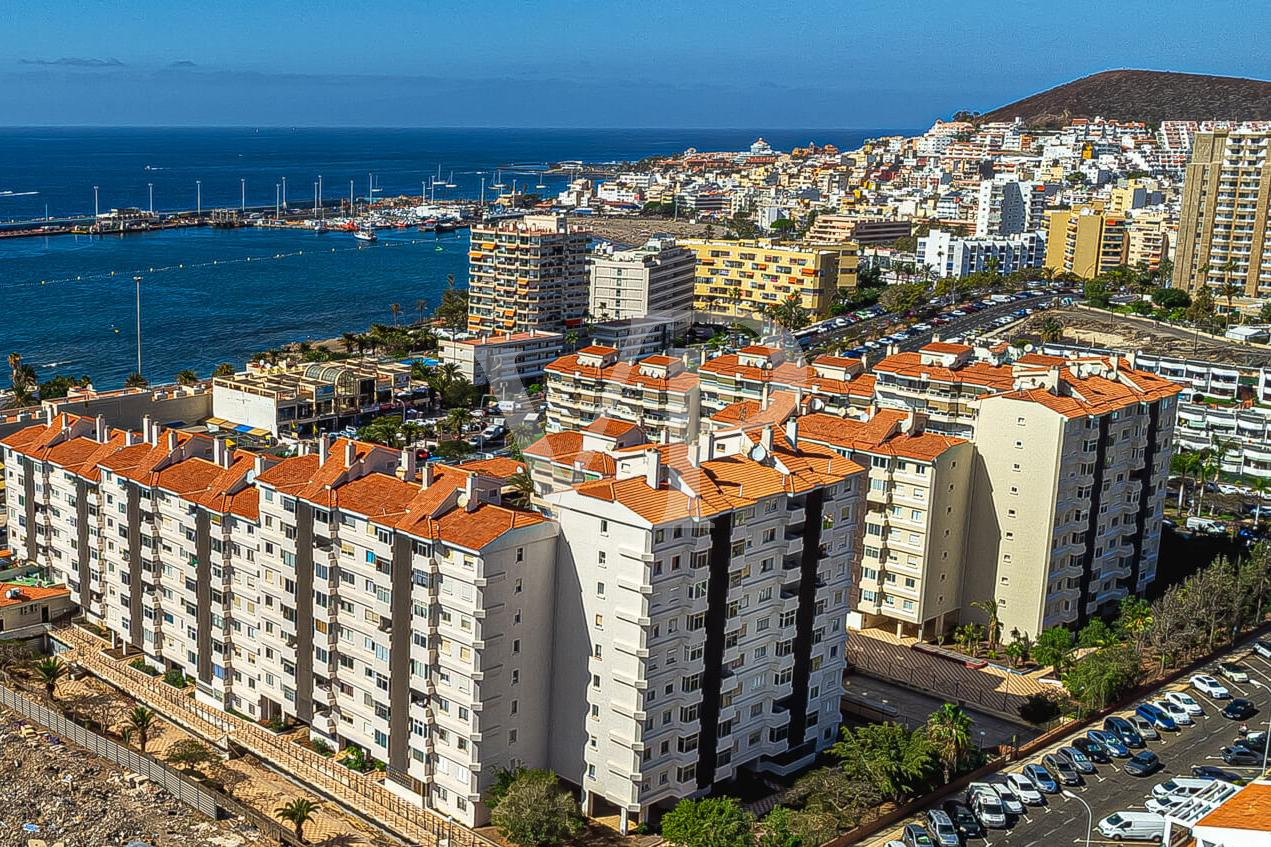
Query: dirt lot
{"x": 634, "y": 230}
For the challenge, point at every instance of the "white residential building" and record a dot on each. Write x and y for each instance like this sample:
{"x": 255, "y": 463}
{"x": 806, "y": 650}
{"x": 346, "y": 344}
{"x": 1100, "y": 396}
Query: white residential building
{"x": 949, "y": 255}
{"x": 653, "y": 280}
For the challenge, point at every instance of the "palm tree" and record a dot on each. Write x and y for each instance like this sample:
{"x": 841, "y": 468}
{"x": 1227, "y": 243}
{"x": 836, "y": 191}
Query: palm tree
{"x": 141, "y": 720}
{"x": 224, "y": 369}
{"x": 49, "y": 671}
{"x": 23, "y": 381}
{"x": 1260, "y": 486}
{"x": 136, "y": 380}
{"x": 993, "y": 625}
{"x": 421, "y": 306}
{"x": 187, "y": 377}
{"x": 522, "y": 487}
{"x": 298, "y": 812}
{"x": 349, "y": 339}
{"x": 949, "y": 732}
{"x": 457, "y": 419}
{"x": 396, "y": 309}
{"x": 1051, "y": 330}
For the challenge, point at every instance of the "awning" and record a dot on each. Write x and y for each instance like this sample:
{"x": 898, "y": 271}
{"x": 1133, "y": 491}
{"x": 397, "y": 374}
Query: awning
{"x": 216, "y": 422}
{"x": 242, "y": 428}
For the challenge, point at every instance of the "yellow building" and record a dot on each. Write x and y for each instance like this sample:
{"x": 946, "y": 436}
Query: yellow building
{"x": 1150, "y": 237}
{"x": 1085, "y": 240}
{"x": 743, "y": 278}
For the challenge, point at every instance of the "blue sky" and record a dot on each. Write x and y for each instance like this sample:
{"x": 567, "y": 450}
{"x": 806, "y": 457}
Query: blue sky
{"x": 587, "y": 63}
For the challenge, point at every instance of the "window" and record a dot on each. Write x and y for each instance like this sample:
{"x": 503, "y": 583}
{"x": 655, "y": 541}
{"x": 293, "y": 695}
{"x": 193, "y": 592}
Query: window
{"x": 600, "y": 589}
{"x": 604, "y": 527}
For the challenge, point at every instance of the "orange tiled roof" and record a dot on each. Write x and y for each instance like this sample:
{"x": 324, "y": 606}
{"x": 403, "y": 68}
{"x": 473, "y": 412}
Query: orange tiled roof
{"x": 496, "y": 467}
{"x": 944, "y": 348}
{"x": 609, "y": 428}
{"x": 30, "y": 593}
{"x": 996, "y": 377}
{"x": 880, "y": 434}
{"x": 626, "y": 373}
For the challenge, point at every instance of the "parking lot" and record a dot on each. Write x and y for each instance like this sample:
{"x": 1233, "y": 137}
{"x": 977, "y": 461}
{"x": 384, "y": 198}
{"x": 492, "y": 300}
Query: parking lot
{"x": 1061, "y": 820}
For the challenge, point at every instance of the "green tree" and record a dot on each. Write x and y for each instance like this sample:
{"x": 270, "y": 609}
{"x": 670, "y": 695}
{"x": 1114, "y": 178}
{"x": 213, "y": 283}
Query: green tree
{"x": 790, "y": 314}
{"x": 187, "y": 377}
{"x": 1134, "y": 621}
{"x": 383, "y": 430}
{"x": 892, "y": 758}
{"x": 1201, "y": 311}
{"x": 1100, "y": 678}
{"x": 782, "y": 226}
{"x": 224, "y": 369}
{"x": 502, "y": 782}
{"x": 949, "y": 734}
{"x": 1096, "y": 634}
{"x": 1050, "y": 330}
{"x": 709, "y": 822}
{"x": 1264, "y": 314}
{"x": 136, "y": 380}
{"x": 830, "y": 801}
{"x": 453, "y": 310}
{"x": 1096, "y": 292}
{"x": 1171, "y": 298}
{"x": 190, "y": 754}
{"x": 22, "y": 382}
{"x": 1053, "y": 648}
{"x": 776, "y": 829}
{"x": 902, "y": 298}
{"x": 142, "y": 721}
{"x": 297, "y": 812}
{"x": 534, "y": 811}
{"x": 49, "y": 671}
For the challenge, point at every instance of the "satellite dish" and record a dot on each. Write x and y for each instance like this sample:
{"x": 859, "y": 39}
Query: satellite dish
{"x": 1028, "y": 348}
{"x": 463, "y": 500}
{"x": 757, "y": 453}
{"x": 816, "y": 404}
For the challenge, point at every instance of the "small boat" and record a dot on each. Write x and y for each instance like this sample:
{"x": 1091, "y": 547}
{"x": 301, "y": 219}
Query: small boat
{"x": 365, "y": 235}
{"x": 320, "y": 227}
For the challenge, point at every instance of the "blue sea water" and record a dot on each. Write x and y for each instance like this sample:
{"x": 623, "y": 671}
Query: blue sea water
{"x": 66, "y": 302}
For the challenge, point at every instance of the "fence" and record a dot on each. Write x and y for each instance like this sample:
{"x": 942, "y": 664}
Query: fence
{"x": 194, "y": 796}
{"x": 360, "y": 794}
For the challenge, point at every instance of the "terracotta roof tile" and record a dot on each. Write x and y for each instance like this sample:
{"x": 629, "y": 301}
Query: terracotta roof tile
{"x": 30, "y": 593}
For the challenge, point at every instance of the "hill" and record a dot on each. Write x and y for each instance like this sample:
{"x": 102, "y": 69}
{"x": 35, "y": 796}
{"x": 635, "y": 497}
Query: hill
{"x": 1149, "y": 96}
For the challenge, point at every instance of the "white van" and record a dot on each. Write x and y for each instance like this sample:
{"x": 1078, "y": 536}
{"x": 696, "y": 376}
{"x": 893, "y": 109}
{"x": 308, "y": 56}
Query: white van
{"x": 1136, "y": 826}
{"x": 1206, "y": 525}
{"x": 1180, "y": 786}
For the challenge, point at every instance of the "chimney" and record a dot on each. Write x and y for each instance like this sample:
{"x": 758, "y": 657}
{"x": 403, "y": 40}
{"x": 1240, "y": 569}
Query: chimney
{"x": 131, "y": 438}
{"x": 710, "y": 446}
{"x": 408, "y": 465}
{"x": 695, "y": 454}
{"x": 350, "y": 453}
{"x": 763, "y": 397}
{"x": 792, "y": 430}
{"x": 48, "y": 414}
{"x": 425, "y": 475}
{"x": 102, "y": 432}
{"x": 172, "y": 438}
{"x": 218, "y": 451}
{"x": 652, "y": 467}
{"x": 765, "y": 438}
{"x": 470, "y": 492}
{"x": 324, "y": 445}
{"x": 259, "y": 465}
{"x": 147, "y": 430}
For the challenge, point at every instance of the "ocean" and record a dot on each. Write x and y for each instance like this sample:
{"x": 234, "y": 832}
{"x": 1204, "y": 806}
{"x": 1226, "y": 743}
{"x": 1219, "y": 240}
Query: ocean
{"x": 210, "y": 296}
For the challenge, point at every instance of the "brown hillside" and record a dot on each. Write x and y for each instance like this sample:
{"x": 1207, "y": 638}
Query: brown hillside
{"x": 1149, "y": 96}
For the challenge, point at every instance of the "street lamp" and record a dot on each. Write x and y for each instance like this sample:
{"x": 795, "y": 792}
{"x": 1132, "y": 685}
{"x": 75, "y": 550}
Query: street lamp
{"x": 1089, "y": 812}
{"x": 137, "y": 280}
{"x": 1266, "y": 752}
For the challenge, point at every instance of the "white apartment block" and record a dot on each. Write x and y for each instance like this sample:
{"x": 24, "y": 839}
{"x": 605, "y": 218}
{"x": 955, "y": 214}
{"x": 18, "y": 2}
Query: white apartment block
{"x": 1007, "y": 206}
{"x": 655, "y": 393}
{"x": 507, "y": 362}
{"x": 653, "y": 280}
{"x": 838, "y": 384}
{"x": 700, "y": 629}
{"x": 950, "y": 255}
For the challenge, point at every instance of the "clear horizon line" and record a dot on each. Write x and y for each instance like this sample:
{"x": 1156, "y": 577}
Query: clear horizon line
{"x": 459, "y": 127}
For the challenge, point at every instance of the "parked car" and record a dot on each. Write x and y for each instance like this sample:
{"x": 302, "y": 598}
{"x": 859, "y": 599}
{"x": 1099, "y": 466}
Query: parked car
{"x": 1206, "y": 684}
{"x": 1041, "y": 778}
{"x": 967, "y": 824}
{"x": 1024, "y": 789}
{"x": 1177, "y": 713}
{"x": 1124, "y": 730}
{"x": 1239, "y": 756}
{"x": 1093, "y": 750}
{"x": 1211, "y": 772}
{"x": 1110, "y": 741}
{"x": 1254, "y": 741}
{"x": 1062, "y": 769}
{"x": 1144, "y": 727}
{"x": 1263, "y": 648}
{"x": 1143, "y": 763}
{"x": 915, "y": 836}
{"x": 1079, "y": 760}
{"x": 1012, "y": 804}
{"x": 1163, "y": 805}
{"x": 1180, "y": 786}
{"x": 1159, "y": 718}
{"x": 989, "y": 809}
{"x": 941, "y": 828}
{"x": 1234, "y": 672}
{"x": 1182, "y": 698}
{"x": 1136, "y": 826}
{"x": 1239, "y": 709}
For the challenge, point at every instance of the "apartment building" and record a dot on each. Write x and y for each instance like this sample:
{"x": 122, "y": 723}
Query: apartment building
{"x": 1085, "y": 240}
{"x": 838, "y": 384}
{"x": 742, "y": 279}
{"x": 1150, "y": 236}
{"x": 1224, "y": 234}
{"x": 655, "y": 393}
{"x": 527, "y": 274}
{"x": 941, "y": 381}
{"x": 700, "y": 629}
{"x": 653, "y": 280}
{"x": 912, "y": 566}
{"x": 301, "y": 400}
{"x": 949, "y": 255}
{"x": 837, "y": 229}
{"x": 504, "y": 361}
{"x": 559, "y": 460}
{"x": 1007, "y": 206}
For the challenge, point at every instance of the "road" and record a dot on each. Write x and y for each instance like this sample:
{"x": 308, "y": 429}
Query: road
{"x": 1063, "y": 821}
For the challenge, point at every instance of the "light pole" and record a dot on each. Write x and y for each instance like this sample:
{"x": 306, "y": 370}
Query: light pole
{"x": 275, "y": 201}
{"x": 137, "y": 280}
{"x": 1089, "y": 813}
{"x": 198, "y": 198}
{"x": 284, "y": 192}
{"x": 242, "y": 194}
{"x": 1266, "y": 752}
{"x": 96, "y": 207}
{"x": 150, "y": 185}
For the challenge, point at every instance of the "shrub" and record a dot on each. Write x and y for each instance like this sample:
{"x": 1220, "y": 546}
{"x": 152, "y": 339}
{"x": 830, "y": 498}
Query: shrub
{"x": 176, "y": 678}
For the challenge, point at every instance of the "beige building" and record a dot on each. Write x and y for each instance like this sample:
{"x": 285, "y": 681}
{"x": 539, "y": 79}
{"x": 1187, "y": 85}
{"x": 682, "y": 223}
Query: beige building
{"x": 655, "y": 393}
{"x": 1224, "y": 234}
{"x": 1150, "y": 237}
{"x": 1086, "y": 240}
{"x": 527, "y": 274}
{"x": 742, "y": 279}
{"x": 838, "y": 229}
{"x": 503, "y": 361}
{"x": 654, "y": 280}
{"x": 27, "y": 610}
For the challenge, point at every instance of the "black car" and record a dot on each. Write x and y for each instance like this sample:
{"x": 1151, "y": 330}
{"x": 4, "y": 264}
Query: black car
{"x": 1094, "y": 751}
{"x": 1143, "y": 763}
{"x": 1254, "y": 742}
{"x": 963, "y": 818}
{"x": 1211, "y": 772}
{"x": 1124, "y": 730}
{"x": 1240, "y": 756}
{"x": 1239, "y": 709}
